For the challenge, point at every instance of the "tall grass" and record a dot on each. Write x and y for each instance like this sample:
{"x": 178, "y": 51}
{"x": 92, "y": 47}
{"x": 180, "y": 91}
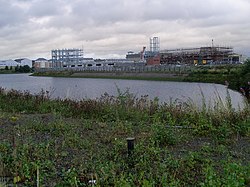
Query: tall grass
{"x": 124, "y": 106}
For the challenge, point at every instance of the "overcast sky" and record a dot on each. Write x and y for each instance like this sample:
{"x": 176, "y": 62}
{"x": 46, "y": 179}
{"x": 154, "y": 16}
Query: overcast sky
{"x": 111, "y": 28}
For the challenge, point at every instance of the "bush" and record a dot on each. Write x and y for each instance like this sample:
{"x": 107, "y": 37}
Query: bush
{"x": 23, "y": 69}
{"x": 246, "y": 68}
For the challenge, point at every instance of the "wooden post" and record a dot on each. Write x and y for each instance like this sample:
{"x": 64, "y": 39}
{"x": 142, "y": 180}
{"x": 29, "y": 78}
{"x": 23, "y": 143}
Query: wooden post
{"x": 37, "y": 177}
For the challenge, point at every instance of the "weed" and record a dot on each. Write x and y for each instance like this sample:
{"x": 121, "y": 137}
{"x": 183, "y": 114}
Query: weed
{"x": 71, "y": 143}
{"x": 163, "y": 136}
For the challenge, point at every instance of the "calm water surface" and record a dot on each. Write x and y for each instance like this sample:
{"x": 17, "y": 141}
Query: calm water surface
{"x": 79, "y": 88}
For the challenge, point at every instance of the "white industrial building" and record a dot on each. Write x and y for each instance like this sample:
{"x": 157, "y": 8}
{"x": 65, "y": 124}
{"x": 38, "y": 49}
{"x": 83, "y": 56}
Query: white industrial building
{"x": 13, "y": 63}
{"x": 8, "y": 63}
{"x": 24, "y": 62}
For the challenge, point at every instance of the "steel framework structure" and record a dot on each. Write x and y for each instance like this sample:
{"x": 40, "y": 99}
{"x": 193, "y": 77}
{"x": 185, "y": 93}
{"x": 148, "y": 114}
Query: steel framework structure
{"x": 200, "y": 55}
{"x": 66, "y": 57}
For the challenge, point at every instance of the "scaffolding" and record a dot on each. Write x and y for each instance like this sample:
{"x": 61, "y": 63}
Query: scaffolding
{"x": 154, "y": 44}
{"x": 66, "y": 57}
{"x": 202, "y": 55}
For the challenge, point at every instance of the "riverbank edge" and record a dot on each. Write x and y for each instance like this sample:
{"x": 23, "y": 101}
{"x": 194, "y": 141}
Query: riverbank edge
{"x": 157, "y": 76}
{"x": 149, "y": 76}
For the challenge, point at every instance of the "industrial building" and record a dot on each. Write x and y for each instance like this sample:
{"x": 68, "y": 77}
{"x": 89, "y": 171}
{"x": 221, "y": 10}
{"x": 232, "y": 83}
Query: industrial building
{"x": 14, "y": 63}
{"x": 202, "y": 55}
{"x": 192, "y": 56}
{"x": 136, "y": 57}
{"x": 70, "y": 58}
{"x": 146, "y": 56}
{"x": 41, "y": 63}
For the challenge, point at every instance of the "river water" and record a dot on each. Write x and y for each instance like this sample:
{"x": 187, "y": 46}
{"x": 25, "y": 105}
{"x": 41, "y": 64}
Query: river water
{"x": 82, "y": 88}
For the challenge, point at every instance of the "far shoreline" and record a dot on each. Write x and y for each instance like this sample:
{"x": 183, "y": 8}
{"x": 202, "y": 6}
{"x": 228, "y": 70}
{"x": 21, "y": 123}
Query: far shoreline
{"x": 159, "y": 76}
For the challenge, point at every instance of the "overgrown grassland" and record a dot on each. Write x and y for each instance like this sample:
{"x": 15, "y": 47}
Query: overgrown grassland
{"x": 69, "y": 143}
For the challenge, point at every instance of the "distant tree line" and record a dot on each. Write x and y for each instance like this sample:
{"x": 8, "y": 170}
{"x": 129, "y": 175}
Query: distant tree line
{"x": 246, "y": 68}
{"x": 7, "y": 68}
{"x": 23, "y": 69}
{"x": 19, "y": 69}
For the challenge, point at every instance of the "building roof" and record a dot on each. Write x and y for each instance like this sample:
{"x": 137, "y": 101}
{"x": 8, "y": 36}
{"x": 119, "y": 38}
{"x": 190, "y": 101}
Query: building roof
{"x": 8, "y": 63}
{"x": 40, "y": 59}
{"x": 19, "y": 60}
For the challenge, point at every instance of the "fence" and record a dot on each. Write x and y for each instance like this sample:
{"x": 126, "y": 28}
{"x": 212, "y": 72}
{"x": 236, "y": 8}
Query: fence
{"x": 127, "y": 69}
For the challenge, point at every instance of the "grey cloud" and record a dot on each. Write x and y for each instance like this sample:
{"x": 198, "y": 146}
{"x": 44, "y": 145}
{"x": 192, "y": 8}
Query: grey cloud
{"x": 41, "y": 8}
{"x": 113, "y": 27}
{"x": 24, "y": 0}
{"x": 88, "y": 13}
{"x": 10, "y": 15}
{"x": 130, "y": 10}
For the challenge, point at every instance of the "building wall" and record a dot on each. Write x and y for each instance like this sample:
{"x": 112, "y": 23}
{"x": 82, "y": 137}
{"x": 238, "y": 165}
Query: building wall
{"x": 27, "y": 62}
{"x": 154, "y": 60}
{"x": 136, "y": 57}
{"x": 42, "y": 64}
{"x": 9, "y": 63}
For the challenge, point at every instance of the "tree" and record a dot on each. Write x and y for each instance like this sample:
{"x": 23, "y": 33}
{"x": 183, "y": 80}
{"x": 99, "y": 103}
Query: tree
{"x": 17, "y": 69}
{"x": 246, "y": 67}
{"x": 23, "y": 69}
{"x": 26, "y": 69}
{"x": 6, "y": 68}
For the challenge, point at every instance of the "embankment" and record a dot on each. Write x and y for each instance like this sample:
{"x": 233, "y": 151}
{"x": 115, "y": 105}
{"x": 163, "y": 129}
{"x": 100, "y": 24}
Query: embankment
{"x": 163, "y": 76}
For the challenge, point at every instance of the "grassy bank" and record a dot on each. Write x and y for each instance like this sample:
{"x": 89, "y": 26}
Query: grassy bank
{"x": 154, "y": 76}
{"x": 236, "y": 75}
{"x": 69, "y": 143}
{"x": 3, "y": 71}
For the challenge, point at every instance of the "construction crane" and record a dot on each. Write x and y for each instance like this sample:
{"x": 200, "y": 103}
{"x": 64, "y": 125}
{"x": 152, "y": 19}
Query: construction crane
{"x": 143, "y": 53}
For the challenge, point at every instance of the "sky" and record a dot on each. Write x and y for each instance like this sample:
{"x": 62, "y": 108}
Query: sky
{"x": 111, "y": 28}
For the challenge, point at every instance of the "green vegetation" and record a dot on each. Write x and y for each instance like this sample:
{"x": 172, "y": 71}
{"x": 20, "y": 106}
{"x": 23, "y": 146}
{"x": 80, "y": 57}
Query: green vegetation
{"x": 17, "y": 69}
{"x": 23, "y": 69}
{"x": 236, "y": 75}
{"x": 154, "y": 76}
{"x": 54, "y": 73}
{"x": 83, "y": 143}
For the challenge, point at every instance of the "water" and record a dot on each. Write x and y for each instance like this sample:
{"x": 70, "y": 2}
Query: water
{"x": 80, "y": 88}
